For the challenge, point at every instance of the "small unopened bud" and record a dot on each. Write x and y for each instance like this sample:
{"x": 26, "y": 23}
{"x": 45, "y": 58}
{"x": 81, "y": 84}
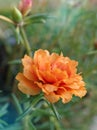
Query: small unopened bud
{"x": 25, "y": 6}
{"x": 16, "y": 15}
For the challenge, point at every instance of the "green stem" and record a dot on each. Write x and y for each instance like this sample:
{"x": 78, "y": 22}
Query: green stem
{"x": 30, "y": 108}
{"x": 55, "y": 122}
{"x": 17, "y": 104}
{"x": 24, "y": 115}
{"x": 26, "y": 42}
{"x": 55, "y": 111}
{"x": 56, "y": 119}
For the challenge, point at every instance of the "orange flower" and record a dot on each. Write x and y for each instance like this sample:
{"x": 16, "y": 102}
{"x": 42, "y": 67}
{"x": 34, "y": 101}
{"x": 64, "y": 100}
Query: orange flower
{"x": 54, "y": 75}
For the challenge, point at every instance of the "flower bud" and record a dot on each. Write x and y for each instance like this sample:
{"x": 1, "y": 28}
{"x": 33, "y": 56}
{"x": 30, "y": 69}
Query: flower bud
{"x": 25, "y": 6}
{"x": 16, "y": 15}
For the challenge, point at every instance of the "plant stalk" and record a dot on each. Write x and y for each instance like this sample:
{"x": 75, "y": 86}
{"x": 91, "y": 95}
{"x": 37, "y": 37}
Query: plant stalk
{"x": 26, "y": 42}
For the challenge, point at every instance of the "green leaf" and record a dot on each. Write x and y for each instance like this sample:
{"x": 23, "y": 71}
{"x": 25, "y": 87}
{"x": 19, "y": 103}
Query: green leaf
{"x": 17, "y": 103}
{"x": 40, "y": 18}
{"x": 4, "y": 107}
{"x": 3, "y": 110}
{"x": 43, "y": 126}
{"x": 92, "y": 52}
{"x": 26, "y": 112}
{"x": 3, "y": 123}
{"x": 52, "y": 106}
{"x": 41, "y": 112}
{"x": 18, "y": 61}
{"x": 16, "y": 126}
{"x": 55, "y": 111}
{"x": 6, "y": 19}
{"x": 31, "y": 126}
{"x": 1, "y": 126}
{"x": 30, "y": 108}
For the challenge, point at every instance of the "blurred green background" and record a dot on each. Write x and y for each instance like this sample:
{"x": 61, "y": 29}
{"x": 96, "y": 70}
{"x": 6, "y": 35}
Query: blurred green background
{"x": 73, "y": 31}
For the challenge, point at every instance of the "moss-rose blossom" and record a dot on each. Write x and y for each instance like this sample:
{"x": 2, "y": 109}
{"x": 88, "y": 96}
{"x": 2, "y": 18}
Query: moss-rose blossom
{"x": 55, "y": 75}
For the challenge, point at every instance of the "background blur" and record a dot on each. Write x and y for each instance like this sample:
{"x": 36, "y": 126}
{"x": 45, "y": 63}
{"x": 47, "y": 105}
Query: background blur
{"x": 74, "y": 32}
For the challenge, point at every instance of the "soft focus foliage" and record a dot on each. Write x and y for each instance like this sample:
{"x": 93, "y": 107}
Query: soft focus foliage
{"x": 74, "y": 32}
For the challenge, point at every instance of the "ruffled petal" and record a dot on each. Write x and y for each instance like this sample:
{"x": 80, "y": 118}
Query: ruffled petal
{"x": 53, "y": 58}
{"x": 73, "y": 86}
{"x": 48, "y": 77}
{"x": 27, "y": 86}
{"x": 80, "y": 92}
{"x": 47, "y": 88}
{"x": 30, "y": 73}
{"x": 64, "y": 94}
{"x": 60, "y": 75}
{"x": 27, "y": 61}
{"x": 41, "y": 59}
{"x": 66, "y": 97}
{"x": 52, "y": 97}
